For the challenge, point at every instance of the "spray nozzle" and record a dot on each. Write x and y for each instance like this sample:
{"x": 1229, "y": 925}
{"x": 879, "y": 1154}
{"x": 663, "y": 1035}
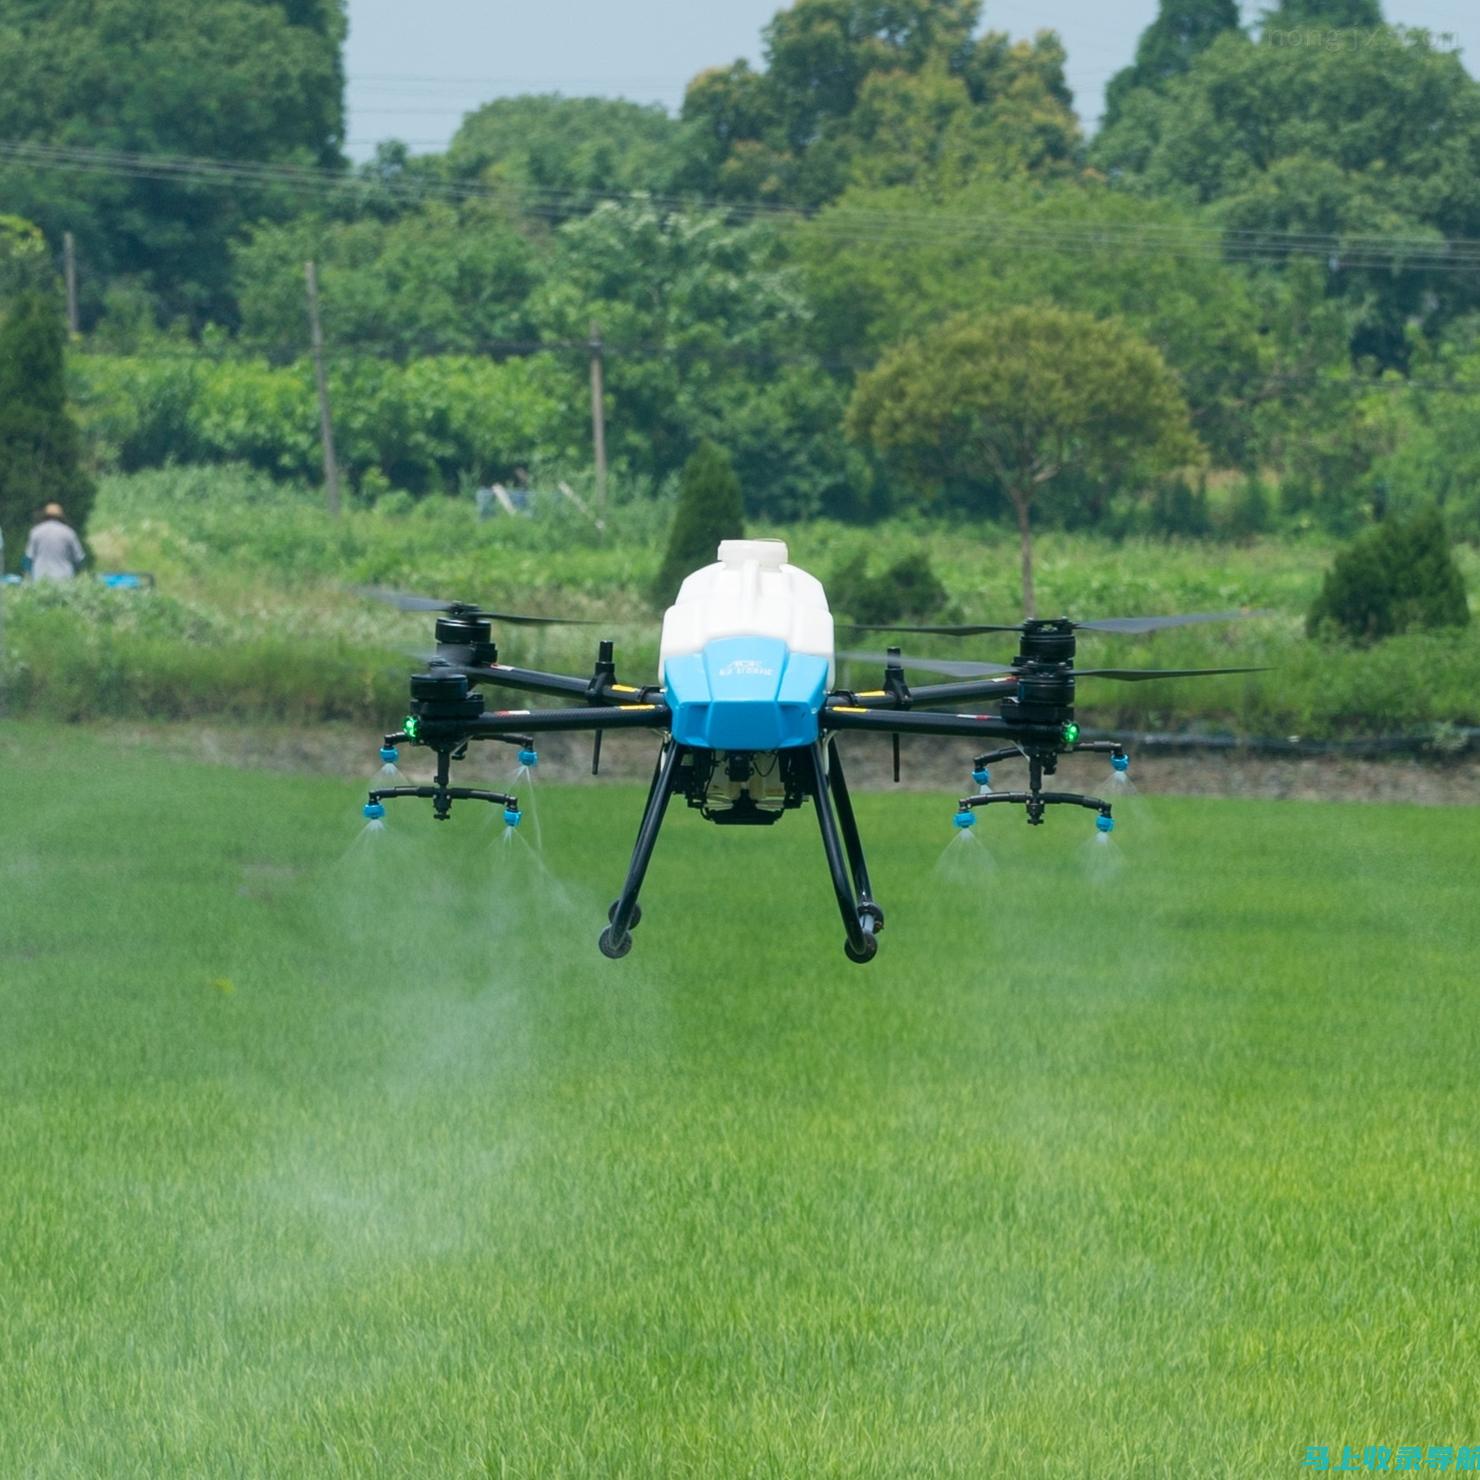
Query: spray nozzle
{"x": 964, "y": 818}
{"x": 389, "y": 754}
{"x": 513, "y": 816}
{"x": 1120, "y": 763}
{"x": 374, "y": 811}
{"x": 1105, "y": 823}
{"x": 529, "y": 757}
{"x": 982, "y": 776}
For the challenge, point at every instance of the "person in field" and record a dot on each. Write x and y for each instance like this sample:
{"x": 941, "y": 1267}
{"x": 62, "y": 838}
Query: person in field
{"x": 53, "y": 551}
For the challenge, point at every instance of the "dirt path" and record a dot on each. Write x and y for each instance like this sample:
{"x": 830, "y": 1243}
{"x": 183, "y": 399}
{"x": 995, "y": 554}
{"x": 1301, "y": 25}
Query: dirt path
{"x": 928, "y": 765}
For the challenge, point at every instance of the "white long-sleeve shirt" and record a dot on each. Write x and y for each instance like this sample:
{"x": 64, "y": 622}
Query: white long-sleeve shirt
{"x": 54, "y": 551}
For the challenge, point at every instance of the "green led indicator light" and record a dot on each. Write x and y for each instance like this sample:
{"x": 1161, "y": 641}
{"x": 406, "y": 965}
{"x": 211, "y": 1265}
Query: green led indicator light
{"x": 411, "y": 725}
{"x": 1071, "y": 733}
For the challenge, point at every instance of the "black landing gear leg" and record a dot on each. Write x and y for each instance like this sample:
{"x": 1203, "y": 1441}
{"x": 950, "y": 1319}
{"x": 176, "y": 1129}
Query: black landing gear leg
{"x": 848, "y": 824}
{"x": 861, "y": 917}
{"x": 616, "y": 939}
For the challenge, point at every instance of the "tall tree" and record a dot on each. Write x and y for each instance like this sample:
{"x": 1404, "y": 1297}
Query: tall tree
{"x": 1019, "y": 399}
{"x": 939, "y": 130}
{"x": 1327, "y": 145}
{"x": 1343, "y": 15}
{"x": 249, "y": 80}
{"x": 562, "y": 151}
{"x": 1181, "y": 30}
{"x": 40, "y": 459}
{"x": 886, "y": 265}
{"x": 25, "y": 264}
{"x": 437, "y": 279}
{"x": 701, "y": 320}
{"x": 792, "y": 133}
{"x": 710, "y": 509}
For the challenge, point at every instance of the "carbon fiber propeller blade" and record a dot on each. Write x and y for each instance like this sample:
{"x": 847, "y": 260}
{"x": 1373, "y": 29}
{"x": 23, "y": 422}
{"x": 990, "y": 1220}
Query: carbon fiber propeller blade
{"x": 1128, "y": 625}
{"x": 407, "y": 602}
{"x": 953, "y": 669}
{"x": 970, "y": 631}
{"x": 1140, "y": 675}
{"x": 949, "y": 666}
{"x": 1159, "y": 624}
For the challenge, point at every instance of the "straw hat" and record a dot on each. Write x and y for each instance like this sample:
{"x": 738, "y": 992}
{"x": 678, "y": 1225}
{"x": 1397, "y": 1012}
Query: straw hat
{"x": 53, "y": 511}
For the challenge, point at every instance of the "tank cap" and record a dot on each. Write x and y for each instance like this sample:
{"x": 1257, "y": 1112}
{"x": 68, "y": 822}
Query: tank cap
{"x": 768, "y": 554}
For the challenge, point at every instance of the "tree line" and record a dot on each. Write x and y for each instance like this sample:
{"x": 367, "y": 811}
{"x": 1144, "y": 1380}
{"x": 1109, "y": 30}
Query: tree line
{"x": 1273, "y": 242}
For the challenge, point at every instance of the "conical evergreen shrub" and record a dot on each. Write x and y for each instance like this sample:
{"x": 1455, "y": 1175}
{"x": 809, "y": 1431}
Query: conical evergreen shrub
{"x": 40, "y": 449}
{"x": 710, "y": 509}
{"x": 1398, "y": 576}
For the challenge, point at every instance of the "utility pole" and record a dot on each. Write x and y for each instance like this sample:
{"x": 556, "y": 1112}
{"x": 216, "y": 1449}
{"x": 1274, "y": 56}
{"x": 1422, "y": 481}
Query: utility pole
{"x": 326, "y": 418}
{"x": 598, "y": 417}
{"x": 69, "y": 272}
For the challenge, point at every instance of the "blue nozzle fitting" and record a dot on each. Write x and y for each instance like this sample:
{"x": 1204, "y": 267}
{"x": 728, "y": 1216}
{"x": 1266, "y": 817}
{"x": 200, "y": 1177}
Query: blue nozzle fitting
{"x": 965, "y": 818}
{"x": 1121, "y": 763}
{"x": 529, "y": 757}
{"x": 1105, "y": 824}
{"x": 513, "y": 816}
{"x": 389, "y": 754}
{"x": 983, "y": 777}
{"x": 374, "y": 811}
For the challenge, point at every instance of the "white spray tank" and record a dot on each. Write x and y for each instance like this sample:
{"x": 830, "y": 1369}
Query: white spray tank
{"x": 747, "y": 651}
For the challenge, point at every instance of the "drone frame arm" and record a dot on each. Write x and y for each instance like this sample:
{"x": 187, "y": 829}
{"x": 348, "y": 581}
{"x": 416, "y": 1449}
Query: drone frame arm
{"x": 926, "y": 696}
{"x": 504, "y": 722}
{"x": 555, "y": 685}
{"x": 901, "y": 722}
{"x": 529, "y": 681}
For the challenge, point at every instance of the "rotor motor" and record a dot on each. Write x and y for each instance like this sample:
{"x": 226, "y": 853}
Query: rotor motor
{"x": 1045, "y": 695}
{"x": 444, "y": 697}
{"x": 1046, "y": 641}
{"x": 466, "y": 639}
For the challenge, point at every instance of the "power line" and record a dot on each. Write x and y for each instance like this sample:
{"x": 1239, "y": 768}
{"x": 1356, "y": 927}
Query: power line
{"x": 906, "y": 226}
{"x": 842, "y": 222}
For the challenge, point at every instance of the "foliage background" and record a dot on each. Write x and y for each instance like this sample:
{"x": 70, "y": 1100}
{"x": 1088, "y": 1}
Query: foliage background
{"x": 1288, "y": 228}
{"x": 254, "y": 617}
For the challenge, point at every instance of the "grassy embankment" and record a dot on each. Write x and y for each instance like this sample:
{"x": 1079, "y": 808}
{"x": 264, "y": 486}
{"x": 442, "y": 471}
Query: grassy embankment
{"x": 327, "y": 1158}
{"x": 253, "y": 621}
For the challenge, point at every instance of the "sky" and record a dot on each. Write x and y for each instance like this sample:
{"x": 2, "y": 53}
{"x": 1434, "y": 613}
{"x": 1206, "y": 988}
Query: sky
{"x": 414, "y": 70}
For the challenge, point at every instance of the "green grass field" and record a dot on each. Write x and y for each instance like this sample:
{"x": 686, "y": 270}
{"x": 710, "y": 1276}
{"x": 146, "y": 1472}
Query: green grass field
{"x": 325, "y": 1155}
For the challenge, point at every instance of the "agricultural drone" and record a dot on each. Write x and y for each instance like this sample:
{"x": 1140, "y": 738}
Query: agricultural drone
{"x": 748, "y": 717}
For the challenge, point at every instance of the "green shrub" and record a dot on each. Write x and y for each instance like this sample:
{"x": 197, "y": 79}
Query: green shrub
{"x": 710, "y": 509}
{"x": 1398, "y": 577}
{"x": 1249, "y": 512}
{"x": 1179, "y": 511}
{"x": 92, "y": 608}
{"x": 138, "y": 411}
{"x": 396, "y": 504}
{"x": 908, "y": 591}
{"x": 372, "y": 487}
{"x": 25, "y": 261}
